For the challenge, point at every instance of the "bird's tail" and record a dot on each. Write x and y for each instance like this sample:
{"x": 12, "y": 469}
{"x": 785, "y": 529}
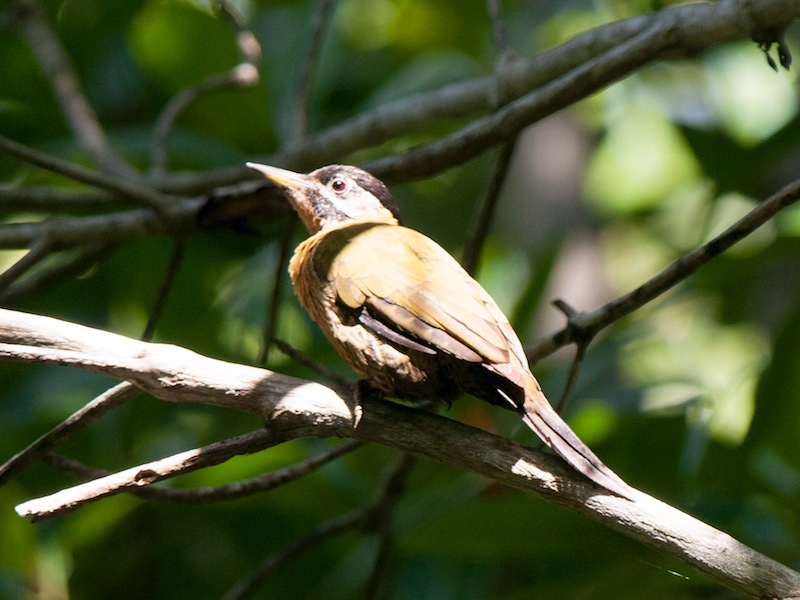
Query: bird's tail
{"x": 539, "y": 415}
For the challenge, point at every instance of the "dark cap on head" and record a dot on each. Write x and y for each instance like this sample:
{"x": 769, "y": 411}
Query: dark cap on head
{"x": 365, "y": 180}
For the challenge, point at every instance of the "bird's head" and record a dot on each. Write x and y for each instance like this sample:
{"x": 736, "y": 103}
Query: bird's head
{"x": 334, "y": 195}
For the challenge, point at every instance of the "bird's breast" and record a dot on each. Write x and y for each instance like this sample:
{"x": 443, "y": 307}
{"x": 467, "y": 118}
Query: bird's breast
{"x": 314, "y": 269}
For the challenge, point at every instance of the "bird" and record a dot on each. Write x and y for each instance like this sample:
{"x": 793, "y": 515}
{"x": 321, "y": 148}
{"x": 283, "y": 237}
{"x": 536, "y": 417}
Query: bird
{"x": 405, "y": 315}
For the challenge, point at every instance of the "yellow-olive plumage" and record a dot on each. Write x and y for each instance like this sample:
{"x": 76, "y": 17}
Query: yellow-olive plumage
{"x": 405, "y": 315}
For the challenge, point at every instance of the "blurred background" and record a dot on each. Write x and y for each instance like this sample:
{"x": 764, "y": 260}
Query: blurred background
{"x": 692, "y": 398}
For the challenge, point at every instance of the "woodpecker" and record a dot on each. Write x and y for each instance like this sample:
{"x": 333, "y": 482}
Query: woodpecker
{"x": 405, "y": 315}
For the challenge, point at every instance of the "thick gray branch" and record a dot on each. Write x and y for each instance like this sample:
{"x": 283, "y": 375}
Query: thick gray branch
{"x": 295, "y": 408}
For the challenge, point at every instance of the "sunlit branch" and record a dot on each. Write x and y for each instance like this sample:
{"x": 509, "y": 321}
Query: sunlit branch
{"x": 221, "y": 493}
{"x": 69, "y": 499}
{"x": 294, "y": 408}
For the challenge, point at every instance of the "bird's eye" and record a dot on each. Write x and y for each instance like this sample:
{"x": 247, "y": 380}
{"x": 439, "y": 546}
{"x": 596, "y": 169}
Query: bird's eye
{"x": 338, "y": 185}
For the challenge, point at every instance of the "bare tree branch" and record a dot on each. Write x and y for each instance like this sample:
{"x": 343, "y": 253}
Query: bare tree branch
{"x": 229, "y": 491}
{"x": 243, "y": 75}
{"x": 320, "y": 21}
{"x": 678, "y": 31}
{"x": 69, "y": 265}
{"x": 382, "y": 521}
{"x": 293, "y": 408}
{"x": 274, "y": 303}
{"x": 482, "y": 220}
{"x": 557, "y": 75}
{"x": 124, "y": 187}
{"x": 178, "y": 253}
{"x": 108, "y": 400}
{"x": 274, "y": 562}
{"x": 480, "y": 135}
{"x": 586, "y": 325}
{"x": 68, "y": 232}
{"x": 69, "y": 499}
{"x": 76, "y": 108}
{"x": 53, "y": 199}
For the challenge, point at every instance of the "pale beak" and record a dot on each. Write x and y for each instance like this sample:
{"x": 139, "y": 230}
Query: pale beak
{"x": 283, "y": 177}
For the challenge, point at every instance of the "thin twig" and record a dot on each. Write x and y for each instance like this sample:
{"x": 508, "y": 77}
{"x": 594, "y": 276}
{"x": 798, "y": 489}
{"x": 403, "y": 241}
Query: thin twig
{"x": 108, "y": 400}
{"x": 320, "y": 22}
{"x": 588, "y": 324}
{"x": 243, "y": 75}
{"x": 479, "y": 230}
{"x": 58, "y": 70}
{"x": 273, "y": 307}
{"x": 275, "y": 561}
{"x": 125, "y": 187}
{"x": 38, "y": 252}
{"x": 69, "y": 499}
{"x": 572, "y": 378}
{"x": 167, "y": 282}
{"x": 220, "y": 493}
{"x": 382, "y": 522}
{"x": 260, "y": 484}
{"x": 499, "y": 31}
{"x": 70, "y": 266}
{"x": 78, "y": 469}
{"x": 577, "y": 362}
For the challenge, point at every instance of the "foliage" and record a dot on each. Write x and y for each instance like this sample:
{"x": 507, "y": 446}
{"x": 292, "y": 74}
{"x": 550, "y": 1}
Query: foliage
{"x": 692, "y": 398}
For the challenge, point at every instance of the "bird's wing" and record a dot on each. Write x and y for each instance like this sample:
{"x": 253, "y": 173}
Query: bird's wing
{"x": 410, "y": 285}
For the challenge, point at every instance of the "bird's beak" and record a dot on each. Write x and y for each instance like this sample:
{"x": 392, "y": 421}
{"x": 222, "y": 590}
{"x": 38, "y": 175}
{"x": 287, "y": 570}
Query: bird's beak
{"x": 298, "y": 189}
{"x": 282, "y": 177}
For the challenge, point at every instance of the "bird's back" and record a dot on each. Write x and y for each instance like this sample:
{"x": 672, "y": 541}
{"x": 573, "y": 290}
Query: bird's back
{"x": 388, "y": 295}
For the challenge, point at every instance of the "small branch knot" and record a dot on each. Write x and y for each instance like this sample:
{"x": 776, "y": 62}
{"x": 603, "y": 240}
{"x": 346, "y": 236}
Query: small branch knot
{"x": 582, "y": 326}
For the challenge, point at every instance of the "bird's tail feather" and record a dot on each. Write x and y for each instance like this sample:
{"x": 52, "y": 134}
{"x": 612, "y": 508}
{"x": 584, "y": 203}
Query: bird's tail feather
{"x": 539, "y": 415}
